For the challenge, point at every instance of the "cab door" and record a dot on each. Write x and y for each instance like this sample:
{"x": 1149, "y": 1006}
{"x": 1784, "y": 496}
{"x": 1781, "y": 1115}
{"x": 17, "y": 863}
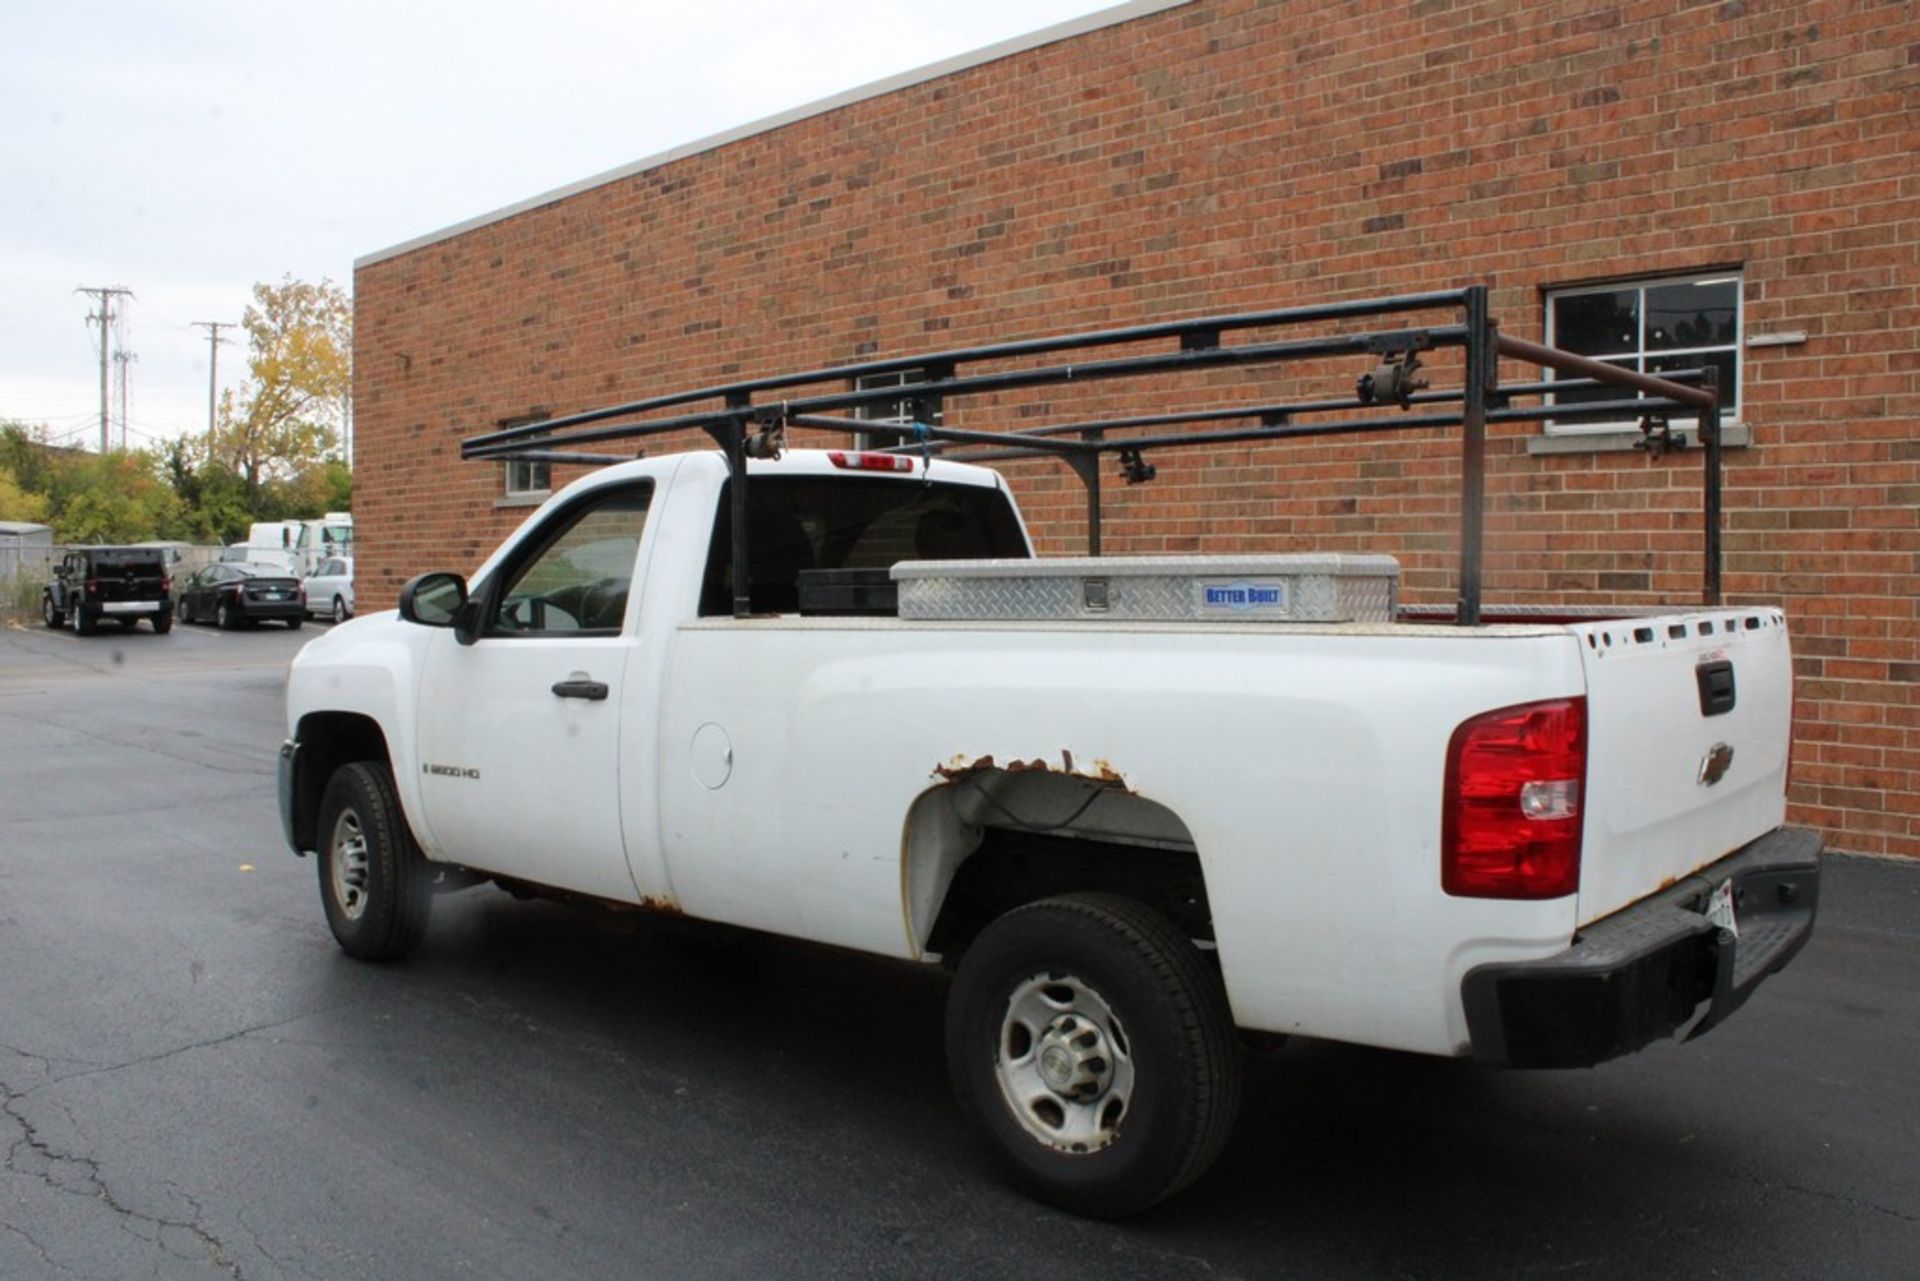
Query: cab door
{"x": 519, "y": 743}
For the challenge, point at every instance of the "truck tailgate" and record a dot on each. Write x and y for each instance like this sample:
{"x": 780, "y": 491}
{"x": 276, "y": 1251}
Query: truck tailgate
{"x": 1689, "y": 719}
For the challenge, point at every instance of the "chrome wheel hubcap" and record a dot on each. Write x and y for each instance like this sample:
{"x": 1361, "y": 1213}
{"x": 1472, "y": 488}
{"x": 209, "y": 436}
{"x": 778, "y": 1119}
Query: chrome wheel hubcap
{"x": 1064, "y": 1064}
{"x": 349, "y": 846}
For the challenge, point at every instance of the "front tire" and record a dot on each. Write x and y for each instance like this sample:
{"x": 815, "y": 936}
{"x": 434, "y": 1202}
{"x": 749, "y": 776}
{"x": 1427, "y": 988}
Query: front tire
{"x": 374, "y": 882}
{"x": 1092, "y": 1045}
{"x": 54, "y": 618}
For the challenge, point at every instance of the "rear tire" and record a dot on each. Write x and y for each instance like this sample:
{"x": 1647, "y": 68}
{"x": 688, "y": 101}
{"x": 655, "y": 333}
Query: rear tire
{"x": 374, "y": 883}
{"x": 339, "y": 610}
{"x": 1092, "y": 1045}
{"x": 295, "y": 624}
{"x": 225, "y": 617}
{"x": 162, "y": 623}
{"x": 83, "y": 624}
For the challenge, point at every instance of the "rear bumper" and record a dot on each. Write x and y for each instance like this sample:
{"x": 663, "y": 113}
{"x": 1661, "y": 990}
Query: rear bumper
{"x": 1654, "y": 969}
{"x": 272, "y": 609}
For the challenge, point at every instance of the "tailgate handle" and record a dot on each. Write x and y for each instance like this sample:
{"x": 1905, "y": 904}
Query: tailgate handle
{"x": 1716, "y": 687}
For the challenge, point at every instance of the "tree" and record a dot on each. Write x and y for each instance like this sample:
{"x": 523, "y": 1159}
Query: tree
{"x": 25, "y": 455}
{"x": 118, "y": 497}
{"x": 283, "y": 422}
{"x": 17, "y": 503}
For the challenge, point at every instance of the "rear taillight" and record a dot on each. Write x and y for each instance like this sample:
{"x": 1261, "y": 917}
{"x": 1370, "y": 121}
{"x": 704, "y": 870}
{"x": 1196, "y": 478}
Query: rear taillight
{"x": 869, "y": 462}
{"x": 1510, "y": 826}
{"x": 166, "y": 584}
{"x": 93, "y": 585}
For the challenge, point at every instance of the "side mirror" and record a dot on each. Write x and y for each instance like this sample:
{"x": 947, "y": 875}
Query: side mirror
{"x": 433, "y": 600}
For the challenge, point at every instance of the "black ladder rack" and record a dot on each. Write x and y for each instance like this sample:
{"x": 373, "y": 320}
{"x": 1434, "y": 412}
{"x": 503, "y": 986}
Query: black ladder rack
{"x": 746, "y": 419}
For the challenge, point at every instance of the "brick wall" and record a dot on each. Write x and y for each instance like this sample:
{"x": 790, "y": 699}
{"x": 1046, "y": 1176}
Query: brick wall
{"x": 1230, "y": 154}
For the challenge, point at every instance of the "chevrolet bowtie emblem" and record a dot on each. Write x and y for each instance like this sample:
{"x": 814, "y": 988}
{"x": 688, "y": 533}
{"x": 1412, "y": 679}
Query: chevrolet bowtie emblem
{"x": 1716, "y": 764}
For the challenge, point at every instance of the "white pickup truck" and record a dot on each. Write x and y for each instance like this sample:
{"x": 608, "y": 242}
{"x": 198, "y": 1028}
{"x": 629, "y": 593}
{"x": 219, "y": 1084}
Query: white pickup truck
{"x": 1536, "y": 844}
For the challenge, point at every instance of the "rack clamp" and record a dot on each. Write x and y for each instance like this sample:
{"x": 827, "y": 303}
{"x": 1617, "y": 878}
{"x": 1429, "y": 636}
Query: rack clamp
{"x": 1658, "y": 438}
{"x": 1394, "y": 379}
{"x": 1135, "y": 469}
{"x": 769, "y": 435}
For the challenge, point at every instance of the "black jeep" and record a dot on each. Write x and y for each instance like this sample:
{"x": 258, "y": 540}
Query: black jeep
{"x": 124, "y": 584}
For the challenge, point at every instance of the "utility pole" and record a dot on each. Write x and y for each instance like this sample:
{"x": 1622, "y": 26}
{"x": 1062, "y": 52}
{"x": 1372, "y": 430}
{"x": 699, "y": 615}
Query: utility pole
{"x": 213, "y": 328}
{"x": 122, "y": 358}
{"x": 106, "y": 293}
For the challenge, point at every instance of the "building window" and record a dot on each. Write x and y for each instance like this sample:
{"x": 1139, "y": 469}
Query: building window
{"x": 890, "y": 411}
{"x": 527, "y": 479}
{"x": 1654, "y": 326}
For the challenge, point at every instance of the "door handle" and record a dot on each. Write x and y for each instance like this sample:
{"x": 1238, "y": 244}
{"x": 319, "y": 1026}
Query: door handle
{"x": 592, "y": 691}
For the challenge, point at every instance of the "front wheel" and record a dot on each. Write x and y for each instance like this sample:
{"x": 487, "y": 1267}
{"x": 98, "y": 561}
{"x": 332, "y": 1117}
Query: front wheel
{"x": 1092, "y": 1045}
{"x": 374, "y": 882}
{"x": 55, "y": 618}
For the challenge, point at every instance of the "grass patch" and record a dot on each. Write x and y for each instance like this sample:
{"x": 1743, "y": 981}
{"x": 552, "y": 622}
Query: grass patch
{"x": 20, "y": 599}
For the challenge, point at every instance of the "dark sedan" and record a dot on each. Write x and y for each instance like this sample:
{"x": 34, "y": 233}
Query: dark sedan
{"x": 232, "y": 593}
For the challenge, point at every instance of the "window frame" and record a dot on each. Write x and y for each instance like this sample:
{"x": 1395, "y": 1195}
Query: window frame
{"x": 1550, "y": 295}
{"x": 510, "y": 468}
{"x": 895, "y": 410}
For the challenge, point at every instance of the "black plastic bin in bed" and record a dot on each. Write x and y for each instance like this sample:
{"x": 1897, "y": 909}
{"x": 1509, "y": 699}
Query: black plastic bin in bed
{"x": 848, "y": 591}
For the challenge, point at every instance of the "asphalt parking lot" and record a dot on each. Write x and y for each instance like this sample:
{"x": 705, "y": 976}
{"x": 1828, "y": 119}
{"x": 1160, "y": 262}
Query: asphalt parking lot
{"x": 196, "y": 1083}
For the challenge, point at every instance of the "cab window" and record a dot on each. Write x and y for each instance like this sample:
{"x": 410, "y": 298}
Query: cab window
{"x": 576, "y": 578}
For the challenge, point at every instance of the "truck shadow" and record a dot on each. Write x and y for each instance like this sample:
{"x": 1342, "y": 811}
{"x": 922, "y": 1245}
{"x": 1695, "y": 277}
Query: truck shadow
{"x": 1346, "y": 1161}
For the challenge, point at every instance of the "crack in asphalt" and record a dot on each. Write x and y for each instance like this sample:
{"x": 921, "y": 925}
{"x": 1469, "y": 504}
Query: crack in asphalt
{"x": 1840, "y": 1198}
{"x": 190, "y": 1047}
{"x": 147, "y": 746}
{"x": 46, "y": 1259}
{"x": 253, "y": 1233}
{"x": 75, "y": 1174}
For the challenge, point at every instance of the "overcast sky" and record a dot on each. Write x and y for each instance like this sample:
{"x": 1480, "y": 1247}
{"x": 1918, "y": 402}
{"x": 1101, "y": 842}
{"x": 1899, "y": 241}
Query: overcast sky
{"x": 186, "y": 151}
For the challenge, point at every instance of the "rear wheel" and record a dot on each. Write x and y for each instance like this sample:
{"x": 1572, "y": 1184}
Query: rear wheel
{"x": 226, "y": 616}
{"x": 339, "y": 610}
{"x": 295, "y": 623}
{"x": 1093, "y": 1047}
{"x": 163, "y": 622}
{"x": 374, "y": 881}
{"x": 83, "y": 623}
